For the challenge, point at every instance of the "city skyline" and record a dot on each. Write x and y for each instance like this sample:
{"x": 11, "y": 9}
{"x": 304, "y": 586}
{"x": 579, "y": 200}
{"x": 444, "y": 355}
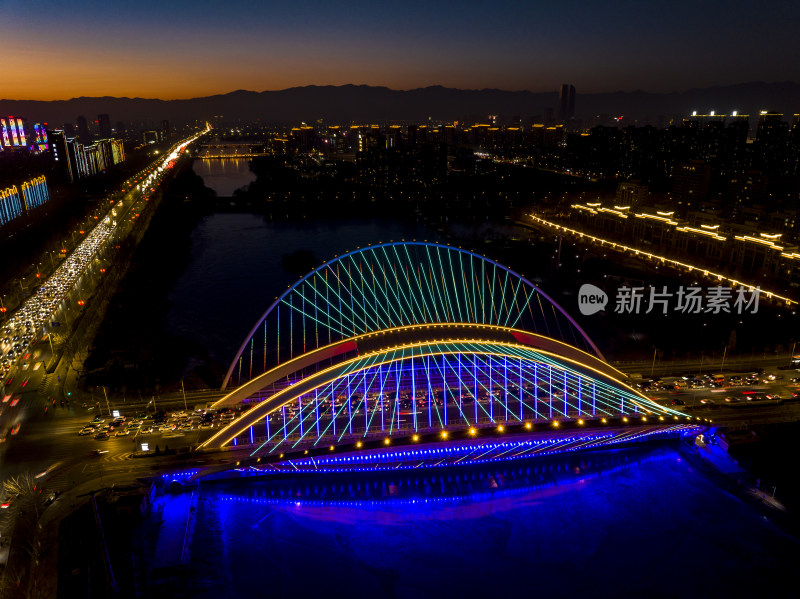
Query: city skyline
{"x": 95, "y": 49}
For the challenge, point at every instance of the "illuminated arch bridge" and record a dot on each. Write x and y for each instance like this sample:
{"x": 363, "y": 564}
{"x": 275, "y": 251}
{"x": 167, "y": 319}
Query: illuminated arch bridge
{"x": 424, "y": 352}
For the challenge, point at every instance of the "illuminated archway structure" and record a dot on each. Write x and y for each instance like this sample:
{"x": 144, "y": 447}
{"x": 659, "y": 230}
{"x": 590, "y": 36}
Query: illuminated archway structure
{"x": 414, "y": 343}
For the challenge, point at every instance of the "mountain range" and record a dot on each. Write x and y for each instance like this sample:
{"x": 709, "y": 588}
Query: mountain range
{"x": 363, "y": 103}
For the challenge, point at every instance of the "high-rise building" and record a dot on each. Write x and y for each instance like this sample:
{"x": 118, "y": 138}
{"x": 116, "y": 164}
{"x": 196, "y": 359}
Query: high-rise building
{"x": 632, "y": 194}
{"x": 117, "y": 151}
{"x": 13, "y": 133}
{"x": 76, "y": 158}
{"x": 83, "y": 129}
{"x": 58, "y": 149}
{"x": 566, "y": 102}
{"x": 772, "y": 143}
{"x": 690, "y": 185}
{"x": 104, "y": 125}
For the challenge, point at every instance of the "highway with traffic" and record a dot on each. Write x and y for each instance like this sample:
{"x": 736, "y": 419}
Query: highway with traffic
{"x": 31, "y": 378}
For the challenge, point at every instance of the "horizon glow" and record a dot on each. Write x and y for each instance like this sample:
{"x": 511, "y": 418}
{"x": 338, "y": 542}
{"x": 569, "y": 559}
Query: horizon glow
{"x": 182, "y": 50}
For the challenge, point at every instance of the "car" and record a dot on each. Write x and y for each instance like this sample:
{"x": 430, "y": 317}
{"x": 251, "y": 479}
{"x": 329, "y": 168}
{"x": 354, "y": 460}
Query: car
{"x": 166, "y": 428}
{"x": 97, "y": 420}
{"x": 707, "y": 401}
{"x": 88, "y": 430}
{"x": 122, "y": 432}
{"x": 677, "y": 402}
{"x": 774, "y": 396}
{"x": 101, "y": 435}
{"x": 206, "y": 425}
{"x": 794, "y": 379}
{"x": 98, "y": 452}
{"x": 733, "y": 399}
{"x": 145, "y": 430}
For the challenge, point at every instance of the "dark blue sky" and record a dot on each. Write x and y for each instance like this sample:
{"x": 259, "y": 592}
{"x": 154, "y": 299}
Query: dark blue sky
{"x": 178, "y": 48}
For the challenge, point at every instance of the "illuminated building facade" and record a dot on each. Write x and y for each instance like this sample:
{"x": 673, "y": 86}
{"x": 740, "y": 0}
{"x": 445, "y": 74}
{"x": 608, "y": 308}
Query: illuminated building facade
{"x": 15, "y": 134}
{"x": 10, "y": 205}
{"x": 18, "y": 200}
{"x": 77, "y": 161}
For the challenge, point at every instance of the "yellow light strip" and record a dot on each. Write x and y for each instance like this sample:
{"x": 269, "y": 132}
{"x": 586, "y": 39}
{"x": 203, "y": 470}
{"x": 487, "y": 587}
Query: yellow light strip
{"x": 711, "y": 234}
{"x": 662, "y": 259}
{"x": 757, "y": 240}
{"x": 669, "y": 221}
{"x": 612, "y": 211}
{"x": 388, "y": 357}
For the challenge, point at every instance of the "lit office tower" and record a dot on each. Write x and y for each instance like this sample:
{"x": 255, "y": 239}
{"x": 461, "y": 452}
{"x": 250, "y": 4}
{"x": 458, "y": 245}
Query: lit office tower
{"x": 83, "y": 129}
{"x": 566, "y": 102}
{"x": 40, "y": 137}
{"x": 5, "y": 134}
{"x": 21, "y": 132}
{"x": 13, "y": 132}
{"x": 104, "y": 125}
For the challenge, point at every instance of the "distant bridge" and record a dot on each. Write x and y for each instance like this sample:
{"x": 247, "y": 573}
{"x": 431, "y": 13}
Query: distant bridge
{"x": 232, "y": 149}
{"x": 393, "y": 347}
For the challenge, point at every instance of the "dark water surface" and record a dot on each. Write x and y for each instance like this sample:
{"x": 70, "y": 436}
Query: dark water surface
{"x": 237, "y": 270}
{"x": 639, "y": 522}
{"x": 224, "y": 175}
{"x": 636, "y": 522}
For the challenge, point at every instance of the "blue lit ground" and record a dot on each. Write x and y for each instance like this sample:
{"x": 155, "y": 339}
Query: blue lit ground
{"x": 637, "y": 522}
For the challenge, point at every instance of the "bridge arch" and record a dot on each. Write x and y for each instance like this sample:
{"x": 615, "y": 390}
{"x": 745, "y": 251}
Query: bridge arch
{"x": 397, "y": 284}
{"x": 410, "y": 338}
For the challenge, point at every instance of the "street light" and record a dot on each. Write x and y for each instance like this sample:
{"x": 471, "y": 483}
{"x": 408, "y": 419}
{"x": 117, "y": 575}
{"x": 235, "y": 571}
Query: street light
{"x": 108, "y": 407}
{"x": 184, "y": 396}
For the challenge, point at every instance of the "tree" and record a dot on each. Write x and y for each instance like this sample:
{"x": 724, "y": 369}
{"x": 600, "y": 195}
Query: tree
{"x": 27, "y": 501}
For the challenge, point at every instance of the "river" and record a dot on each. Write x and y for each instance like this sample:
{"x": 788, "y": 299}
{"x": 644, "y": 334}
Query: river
{"x": 624, "y": 523}
{"x": 224, "y": 175}
{"x": 237, "y": 264}
{"x": 639, "y": 522}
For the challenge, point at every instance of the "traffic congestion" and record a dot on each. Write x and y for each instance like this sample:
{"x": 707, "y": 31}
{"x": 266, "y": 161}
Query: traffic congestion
{"x": 33, "y": 318}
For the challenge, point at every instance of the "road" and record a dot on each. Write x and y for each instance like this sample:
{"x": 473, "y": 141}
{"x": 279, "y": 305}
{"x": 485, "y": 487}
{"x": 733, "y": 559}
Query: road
{"x": 26, "y": 337}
